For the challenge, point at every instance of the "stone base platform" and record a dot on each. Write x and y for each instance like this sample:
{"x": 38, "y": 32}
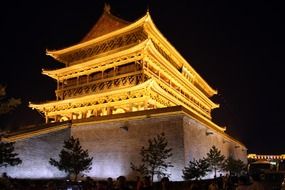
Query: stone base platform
{"x": 115, "y": 141}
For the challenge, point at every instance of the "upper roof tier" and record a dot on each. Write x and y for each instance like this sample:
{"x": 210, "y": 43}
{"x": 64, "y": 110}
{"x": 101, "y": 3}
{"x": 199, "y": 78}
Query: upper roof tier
{"x": 112, "y": 34}
{"x": 106, "y": 24}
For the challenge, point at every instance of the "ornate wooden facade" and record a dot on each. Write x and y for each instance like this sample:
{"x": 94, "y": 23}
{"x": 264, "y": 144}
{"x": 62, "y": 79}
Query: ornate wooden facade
{"x": 124, "y": 67}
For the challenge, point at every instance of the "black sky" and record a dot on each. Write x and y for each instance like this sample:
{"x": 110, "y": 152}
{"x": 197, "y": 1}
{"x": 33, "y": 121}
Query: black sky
{"x": 236, "y": 46}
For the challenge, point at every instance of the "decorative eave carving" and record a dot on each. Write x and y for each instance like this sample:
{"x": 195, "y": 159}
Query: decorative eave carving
{"x": 56, "y": 53}
{"x": 137, "y": 52}
{"x": 149, "y": 89}
{"x": 101, "y": 63}
{"x": 89, "y": 98}
{"x": 175, "y": 75}
{"x": 155, "y": 34}
{"x": 105, "y": 47}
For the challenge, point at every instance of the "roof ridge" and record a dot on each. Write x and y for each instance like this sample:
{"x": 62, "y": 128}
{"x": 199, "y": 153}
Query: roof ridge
{"x": 106, "y": 23}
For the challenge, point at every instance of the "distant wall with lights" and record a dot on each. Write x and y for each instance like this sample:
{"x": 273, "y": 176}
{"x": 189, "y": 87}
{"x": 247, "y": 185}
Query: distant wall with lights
{"x": 266, "y": 157}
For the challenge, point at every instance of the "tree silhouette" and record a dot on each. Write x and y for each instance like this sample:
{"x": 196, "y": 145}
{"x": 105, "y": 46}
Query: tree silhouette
{"x": 233, "y": 166}
{"x": 154, "y": 157}
{"x": 72, "y": 158}
{"x": 7, "y": 104}
{"x": 215, "y": 159}
{"x": 195, "y": 169}
{"x": 7, "y": 155}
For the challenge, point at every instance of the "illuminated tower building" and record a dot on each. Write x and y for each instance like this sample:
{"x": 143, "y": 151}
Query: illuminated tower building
{"x": 124, "y": 67}
{"x": 124, "y": 83}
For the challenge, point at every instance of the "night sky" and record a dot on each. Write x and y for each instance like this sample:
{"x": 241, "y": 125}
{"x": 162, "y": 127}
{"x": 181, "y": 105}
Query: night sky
{"x": 236, "y": 46}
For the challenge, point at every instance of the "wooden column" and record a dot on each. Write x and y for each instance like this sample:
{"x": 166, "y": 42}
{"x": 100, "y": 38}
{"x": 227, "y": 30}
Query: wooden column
{"x": 109, "y": 111}
{"x": 83, "y": 115}
{"x": 145, "y": 105}
{"x": 46, "y": 119}
{"x": 95, "y": 113}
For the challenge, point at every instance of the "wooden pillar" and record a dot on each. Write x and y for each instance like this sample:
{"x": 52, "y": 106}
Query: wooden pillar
{"x": 62, "y": 83}
{"x": 57, "y": 84}
{"x": 115, "y": 72}
{"x": 144, "y": 68}
{"x": 145, "y": 105}
{"x": 55, "y": 118}
{"x": 109, "y": 111}
{"x": 105, "y": 111}
{"x": 131, "y": 107}
{"x": 95, "y": 113}
{"x": 83, "y": 115}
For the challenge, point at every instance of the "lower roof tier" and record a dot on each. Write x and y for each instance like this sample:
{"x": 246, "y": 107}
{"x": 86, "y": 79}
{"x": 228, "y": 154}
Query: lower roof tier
{"x": 145, "y": 96}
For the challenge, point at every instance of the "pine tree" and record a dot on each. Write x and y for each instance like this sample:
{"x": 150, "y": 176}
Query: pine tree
{"x": 7, "y": 155}
{"x": 195, "y": 169}
{"x": 7, "y": 104}
{"x": 154, "y": 157}
{"x": 215, "y": 159}
{"x": 233, "y": 166}
{"x": 72, "y": 158}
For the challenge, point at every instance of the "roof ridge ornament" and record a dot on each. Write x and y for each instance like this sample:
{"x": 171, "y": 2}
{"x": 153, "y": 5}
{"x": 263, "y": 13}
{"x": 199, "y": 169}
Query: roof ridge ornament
{"x": 147, "y": 9}
{"x": 107, "y": 8}
{"x": 147, "y": 13}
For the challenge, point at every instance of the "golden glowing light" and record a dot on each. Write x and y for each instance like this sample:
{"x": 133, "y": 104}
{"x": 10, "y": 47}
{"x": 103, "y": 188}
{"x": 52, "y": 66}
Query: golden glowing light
{"x": 266, "y": 157}
{"x": 121, "y": 84}
{"x": 129, "y": 68}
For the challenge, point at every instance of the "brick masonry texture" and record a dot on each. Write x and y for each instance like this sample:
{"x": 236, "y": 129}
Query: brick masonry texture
{"x": 35, "y": 153}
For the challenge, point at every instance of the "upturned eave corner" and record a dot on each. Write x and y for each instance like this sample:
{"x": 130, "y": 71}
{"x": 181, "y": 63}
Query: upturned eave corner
{"x": 51, "y": 53}
{"x": 45, "y": 72}
{"x": 49, "y": 73}
{"x": 32, "y": 106}
{"x": 213, "y": 92}
{"x": 217, "y": 105}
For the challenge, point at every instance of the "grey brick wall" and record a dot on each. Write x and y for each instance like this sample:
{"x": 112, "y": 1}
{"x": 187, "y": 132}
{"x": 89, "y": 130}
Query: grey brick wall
{"x": 197, "y": 142}
{"x": 113, "y": 148}
{"x": 35, "y": 153}
{"x": 114, "y": 144}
